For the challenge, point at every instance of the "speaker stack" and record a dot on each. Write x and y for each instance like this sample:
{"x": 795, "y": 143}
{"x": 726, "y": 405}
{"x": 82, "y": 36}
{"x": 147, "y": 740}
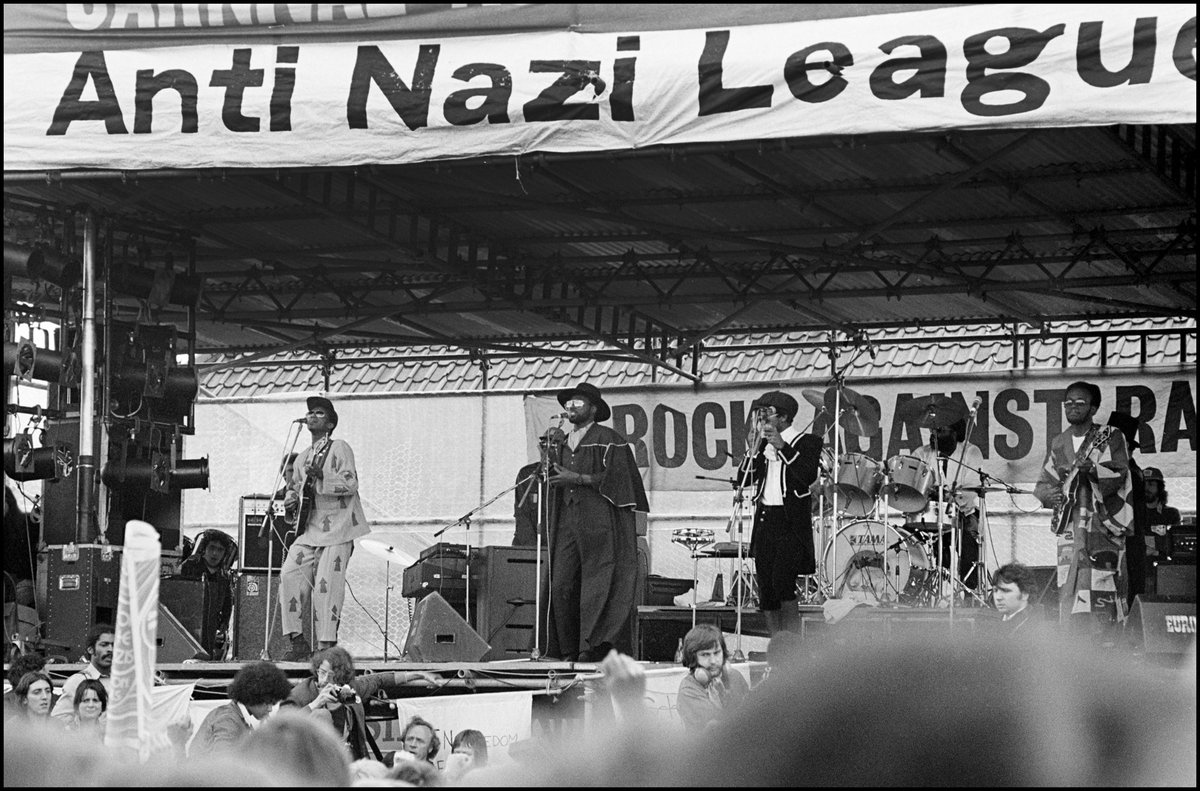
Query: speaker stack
{"x": 506, "y": 608}
{"x": 256, "y": 601}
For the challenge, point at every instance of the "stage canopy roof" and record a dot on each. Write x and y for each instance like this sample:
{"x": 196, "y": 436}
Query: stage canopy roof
{"x": 647, "y": 177}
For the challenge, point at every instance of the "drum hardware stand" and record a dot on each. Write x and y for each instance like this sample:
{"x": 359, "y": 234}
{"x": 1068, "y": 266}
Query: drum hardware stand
{"x": 693, "y": 540}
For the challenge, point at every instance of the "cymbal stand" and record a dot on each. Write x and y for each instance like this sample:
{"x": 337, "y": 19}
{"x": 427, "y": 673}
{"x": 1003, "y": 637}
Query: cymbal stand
{"x": 269, "y": 524}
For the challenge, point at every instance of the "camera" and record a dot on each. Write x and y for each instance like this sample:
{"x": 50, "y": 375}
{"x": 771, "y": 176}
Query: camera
{"x": 344, "y": 694}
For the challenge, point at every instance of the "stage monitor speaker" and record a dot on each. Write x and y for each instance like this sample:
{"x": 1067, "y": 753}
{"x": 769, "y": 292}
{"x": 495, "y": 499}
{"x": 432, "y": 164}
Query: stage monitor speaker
{"x": 505, "y": 599}
{"x": 438, "y": 634}
{"x": 1177, "y": 580}
{"x": 185, "y": 598}
{"x": 174, "y": 642}
{"x": 250, "y": 613}
{"x": 254, "y": 550}
{"x": 1161, "y": 626}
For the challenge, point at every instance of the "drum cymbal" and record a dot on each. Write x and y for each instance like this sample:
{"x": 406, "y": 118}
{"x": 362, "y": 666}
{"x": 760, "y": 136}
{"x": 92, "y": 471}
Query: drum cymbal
{"x": 384, "y": 551}
{"x": 931, "y": 412}
{"x": 814, "y": 397}
{"x": 858, "y": 414}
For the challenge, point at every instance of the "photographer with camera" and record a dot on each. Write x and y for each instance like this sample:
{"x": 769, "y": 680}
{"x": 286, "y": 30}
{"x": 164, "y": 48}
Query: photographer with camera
{"x": 336, "y": 694}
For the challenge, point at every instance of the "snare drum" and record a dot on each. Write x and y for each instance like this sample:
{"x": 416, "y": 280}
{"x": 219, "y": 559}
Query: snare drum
{"x": 859, "y": 477}
{"x": 908, "y": 489}
{"x": 874, "y": 562}
{"x": 691, "y": 537}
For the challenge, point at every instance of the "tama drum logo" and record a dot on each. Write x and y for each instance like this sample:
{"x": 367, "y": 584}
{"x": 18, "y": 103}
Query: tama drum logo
{"x": 866, "y": 538}
{"x": 1181, "y": 624}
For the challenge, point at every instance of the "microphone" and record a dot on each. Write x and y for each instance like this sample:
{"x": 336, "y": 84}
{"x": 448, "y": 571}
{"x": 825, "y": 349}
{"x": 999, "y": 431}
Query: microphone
{"x": 300, "y": 420}
{"x": 870, "y": 347}
{"x": 978, "y": 402}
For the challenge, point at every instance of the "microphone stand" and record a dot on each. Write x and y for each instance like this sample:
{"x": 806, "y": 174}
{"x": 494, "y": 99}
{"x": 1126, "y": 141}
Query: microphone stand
{"x": 269, "y": 523}
{"x": 736, "y": 517}
{"x": 551, "y": 451}
{"x": 465, "y": 521}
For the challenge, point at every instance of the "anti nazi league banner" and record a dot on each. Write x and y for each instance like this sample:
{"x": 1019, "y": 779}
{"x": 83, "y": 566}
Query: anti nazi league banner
{"x": 678, "y": 434}
{"x": 217, "y": 101}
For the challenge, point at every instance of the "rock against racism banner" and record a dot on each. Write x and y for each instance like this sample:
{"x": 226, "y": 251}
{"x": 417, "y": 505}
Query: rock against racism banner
{"x": 295, "y": 95}
{"x": 679, "y": 433}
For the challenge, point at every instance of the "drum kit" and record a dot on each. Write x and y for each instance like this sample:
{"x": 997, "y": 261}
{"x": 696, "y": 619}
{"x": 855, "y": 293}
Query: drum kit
{"x": 866, "y": 557}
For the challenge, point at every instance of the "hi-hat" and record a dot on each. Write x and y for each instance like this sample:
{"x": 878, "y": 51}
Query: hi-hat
{"x": 858, "y": 414}
{"x": 385, "y": 551}
{"x": 931, "y": 412}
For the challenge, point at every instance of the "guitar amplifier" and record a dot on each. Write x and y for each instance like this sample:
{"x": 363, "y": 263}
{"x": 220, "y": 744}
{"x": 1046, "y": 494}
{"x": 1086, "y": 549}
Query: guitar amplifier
{"x": 1181, "y": 542}
{"x": 446, "y": 575}
{"x": 260, "y": 554}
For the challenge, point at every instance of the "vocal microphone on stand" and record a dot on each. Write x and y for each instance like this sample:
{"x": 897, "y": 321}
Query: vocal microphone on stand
{"x": 300, "y": 420}
{"x": 978, "y": 402}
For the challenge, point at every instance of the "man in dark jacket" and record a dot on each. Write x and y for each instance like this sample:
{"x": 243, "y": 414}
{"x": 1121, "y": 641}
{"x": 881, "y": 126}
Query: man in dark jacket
{"x": 781, "y": 464}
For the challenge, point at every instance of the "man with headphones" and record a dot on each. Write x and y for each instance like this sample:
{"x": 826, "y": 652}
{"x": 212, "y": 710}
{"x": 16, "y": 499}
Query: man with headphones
{"x": 711, "y": 688}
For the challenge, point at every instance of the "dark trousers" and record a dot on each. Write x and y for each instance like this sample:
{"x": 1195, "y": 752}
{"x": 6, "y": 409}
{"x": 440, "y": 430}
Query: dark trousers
{"x": 781, "y": 553}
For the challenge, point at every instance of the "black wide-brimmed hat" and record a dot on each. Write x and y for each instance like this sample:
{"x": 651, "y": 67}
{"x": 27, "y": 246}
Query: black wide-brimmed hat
{"x": 1127, "y": 424}
{"x": 591, "y": 393}
{"x": 320, "y": 401}
{"x": 783, "y": 403}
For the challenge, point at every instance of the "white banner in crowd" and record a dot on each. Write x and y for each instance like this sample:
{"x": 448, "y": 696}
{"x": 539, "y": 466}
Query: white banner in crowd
{"x": 131, "y": 718}
{"x": 221, "y": 102}
{"x": 679, "y": 433}
{"x": 502, "y": 717}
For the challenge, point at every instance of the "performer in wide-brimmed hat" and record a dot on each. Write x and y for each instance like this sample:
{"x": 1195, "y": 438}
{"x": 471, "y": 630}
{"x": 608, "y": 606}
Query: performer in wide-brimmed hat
{"x": 328, "y": 514}
{"x": 593, "y": 540}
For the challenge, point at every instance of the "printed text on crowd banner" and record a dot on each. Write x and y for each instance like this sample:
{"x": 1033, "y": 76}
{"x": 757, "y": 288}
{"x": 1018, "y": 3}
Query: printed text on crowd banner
{"x": 678, "y": 434}
{"x": 338, "y": 100}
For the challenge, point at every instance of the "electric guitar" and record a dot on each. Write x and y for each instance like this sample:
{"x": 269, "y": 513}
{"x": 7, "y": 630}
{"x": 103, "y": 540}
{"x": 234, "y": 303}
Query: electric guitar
{"x": 297, "y": 515}
{"x": 1060, "y": 521}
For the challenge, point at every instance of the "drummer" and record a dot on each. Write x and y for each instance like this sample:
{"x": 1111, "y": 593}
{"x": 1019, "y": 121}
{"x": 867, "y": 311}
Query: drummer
{"x": 955, "y": 464}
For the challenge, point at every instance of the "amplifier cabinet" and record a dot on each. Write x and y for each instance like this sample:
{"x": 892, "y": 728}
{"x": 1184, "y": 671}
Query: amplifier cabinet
{"x": 81, "y": 592}
{"x": 255, "y": 552}
{"x": 447, "y": 576}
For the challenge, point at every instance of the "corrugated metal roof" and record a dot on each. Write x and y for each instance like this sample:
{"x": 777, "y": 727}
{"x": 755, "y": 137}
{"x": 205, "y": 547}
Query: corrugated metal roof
{"x": 761, "y": 357}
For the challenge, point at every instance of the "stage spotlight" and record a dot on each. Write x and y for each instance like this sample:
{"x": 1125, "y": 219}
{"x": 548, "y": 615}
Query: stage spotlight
{"x": 41, "y": 263}
{"x": 24, "y": 462}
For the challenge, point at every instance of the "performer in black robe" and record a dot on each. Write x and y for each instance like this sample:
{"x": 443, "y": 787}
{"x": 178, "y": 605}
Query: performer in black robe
{"x": 593, "y": 541}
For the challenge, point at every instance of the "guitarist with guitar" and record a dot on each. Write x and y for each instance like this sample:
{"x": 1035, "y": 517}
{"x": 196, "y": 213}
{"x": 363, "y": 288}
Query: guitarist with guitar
{"x": 1086, "y": 480}
{"x": 326, "y": 514}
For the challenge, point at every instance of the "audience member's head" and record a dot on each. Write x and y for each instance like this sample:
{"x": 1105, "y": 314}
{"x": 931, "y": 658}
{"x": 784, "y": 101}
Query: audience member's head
{"x": 25, "y": 663}
{"x": 421, "y": 739}
{"x": 301, "y": 745}
{"x": 259, "y": 686}
{"x": 367, "y": 769}
{"x": 1012, "y": 585}
{"x": 332, "y": 665}
{"x": 99, "y": 647}
{"x": 702, "y": 637}
{"x": 471, "y": 743}
{"x": 414, "y": 771}
{"x": 34, "y": 694}
{"x": 91, "y": 700}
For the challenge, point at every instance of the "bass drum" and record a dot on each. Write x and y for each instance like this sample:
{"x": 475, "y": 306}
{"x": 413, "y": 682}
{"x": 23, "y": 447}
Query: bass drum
{"x": 856, "y": 570}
